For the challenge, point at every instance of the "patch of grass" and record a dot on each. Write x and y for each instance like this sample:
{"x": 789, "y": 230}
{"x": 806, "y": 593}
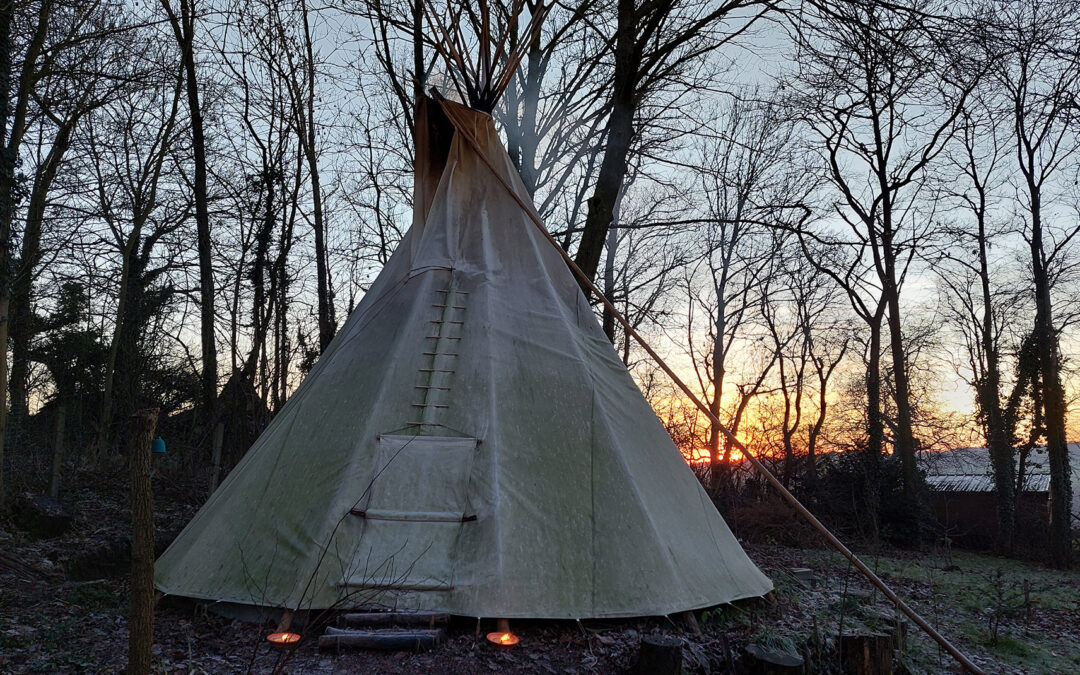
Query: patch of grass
{"x": 726, "y": 616}
{"x": 969, "y": 597}
{"x": 770, "y": 638}
{"x": 968, "y": 574}
{"x": 9, "y": 643}
{"x": 94, "y": 595}
{"x": 1011, "y": 646}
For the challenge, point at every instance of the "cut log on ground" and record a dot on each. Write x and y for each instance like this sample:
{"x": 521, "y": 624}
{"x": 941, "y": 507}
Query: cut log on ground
{"x": 12, "y": 564}
{"x": 659, "y": 655}
{"x": 429, "y": 619}
{"x": 392, "y": 640}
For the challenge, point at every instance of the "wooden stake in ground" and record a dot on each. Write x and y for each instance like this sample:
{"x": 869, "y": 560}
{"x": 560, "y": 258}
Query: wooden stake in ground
{"x": 141, "y": 427}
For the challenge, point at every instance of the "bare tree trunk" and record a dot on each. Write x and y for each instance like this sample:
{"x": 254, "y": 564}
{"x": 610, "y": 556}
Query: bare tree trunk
{"x": 989, "y": 392}
{"x": 7, "y": 212}
{"x": 12, "y": 127}
{"x": 875, "y": 426}
{"x": 418, "y": 48}
{"x": 875, "y": 445}
{"x": 141, "y": 623}
{"x": 22, "y": 320}
{"x": 620, "y": 136}
{"x": 824, "y": 370}
{"x": 108, "y": 385}
{"x": 215, "y": 458}
{"x": 716, "y": 468}
{"x": 904, "y": 441}
{"x": 58, "y": 449}
{"x": 1046, "y": 341}
{"x": 260, "y": 311}
{"x": 184, "y": 31}
{"x": 608, "y": 322}
{"x": 327, "y": 321}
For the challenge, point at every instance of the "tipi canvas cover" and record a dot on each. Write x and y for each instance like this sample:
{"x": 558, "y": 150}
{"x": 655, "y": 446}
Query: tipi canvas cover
{"x": 469, "y": 442}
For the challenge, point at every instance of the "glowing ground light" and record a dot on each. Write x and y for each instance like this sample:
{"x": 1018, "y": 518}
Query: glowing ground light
{"x": 502, "y": 640}
{"x": 283, "y": 639}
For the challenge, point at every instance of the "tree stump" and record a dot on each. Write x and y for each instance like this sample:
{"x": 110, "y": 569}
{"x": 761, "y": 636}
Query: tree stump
{"x": 805, "y": 576}
{"x": 659, "y": 655}
{"x": 867, "y": 654}
{"x": 141, "y": 623}
{"x": 765, "y": 661}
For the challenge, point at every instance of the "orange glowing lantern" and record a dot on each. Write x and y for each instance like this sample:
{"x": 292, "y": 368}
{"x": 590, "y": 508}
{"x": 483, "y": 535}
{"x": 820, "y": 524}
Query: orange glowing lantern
{"x": 503, "y": 640}
{"x": 283, "y": 640}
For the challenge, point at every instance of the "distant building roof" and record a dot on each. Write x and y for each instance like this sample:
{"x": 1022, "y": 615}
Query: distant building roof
{"x": 966, "y": 482}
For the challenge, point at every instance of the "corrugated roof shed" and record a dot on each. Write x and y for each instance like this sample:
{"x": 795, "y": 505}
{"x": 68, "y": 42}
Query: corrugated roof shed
{"x": 960, "y": 482}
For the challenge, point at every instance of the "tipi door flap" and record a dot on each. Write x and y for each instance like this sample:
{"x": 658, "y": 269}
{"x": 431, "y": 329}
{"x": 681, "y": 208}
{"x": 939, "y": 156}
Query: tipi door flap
{"x": 417, "y": 502}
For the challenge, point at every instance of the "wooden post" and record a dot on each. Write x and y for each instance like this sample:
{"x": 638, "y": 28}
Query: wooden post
{"x": 58, "y": 450}
{"x": 141, "y": 427}
{"x": 219, "y": 439}
{"x": 691, "y": 622}
{"x": 286, "y": 621}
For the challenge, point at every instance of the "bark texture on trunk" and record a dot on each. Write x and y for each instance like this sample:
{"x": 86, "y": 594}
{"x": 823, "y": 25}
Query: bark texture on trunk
{"x": 58, "y": 450}
{"x": 1053, "y": 394}
{"x": 620, "y": 137}
{"x": 23, "y": 321}
{"x": 327, "y": 320}
{"x": 183, "y": 27}
{"x": 141, "y": 623}
{"x": 12, "y": 126}
{"x": 998, "y": 438}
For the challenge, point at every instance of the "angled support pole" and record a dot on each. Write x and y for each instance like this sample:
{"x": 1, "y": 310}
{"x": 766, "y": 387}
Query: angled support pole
{"x": 963, "y": 659}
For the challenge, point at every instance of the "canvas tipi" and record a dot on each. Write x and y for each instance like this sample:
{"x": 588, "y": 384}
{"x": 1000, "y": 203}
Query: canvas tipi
{"x": 469, "y": 442}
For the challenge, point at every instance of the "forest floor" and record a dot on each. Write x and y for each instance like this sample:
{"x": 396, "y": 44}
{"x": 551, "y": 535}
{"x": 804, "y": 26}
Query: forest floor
{"x": 63, "y": 609}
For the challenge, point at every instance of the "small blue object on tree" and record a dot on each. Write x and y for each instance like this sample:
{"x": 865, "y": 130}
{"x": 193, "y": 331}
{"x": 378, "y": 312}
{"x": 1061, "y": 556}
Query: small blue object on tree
{"x": 158, "y": 446}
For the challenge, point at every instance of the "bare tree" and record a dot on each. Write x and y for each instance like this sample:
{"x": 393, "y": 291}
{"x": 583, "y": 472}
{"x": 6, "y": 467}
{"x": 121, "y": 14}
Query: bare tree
{"x": 800, "y": 320}
{"x": 272, "y": 162}
{"x": 652, "y": 44}
{"x": 299, "y": 72}
{"x": 882, "y": 105}
{"x": 85, "y": 68}
{"x": 183, "y": 27}
{"x": 750, "y": 184}
{"x": 1039, "y": 76}
{"x": 131, "y": 149}
{"x": 979, "y": 303}
{"x": 15, "y": 97}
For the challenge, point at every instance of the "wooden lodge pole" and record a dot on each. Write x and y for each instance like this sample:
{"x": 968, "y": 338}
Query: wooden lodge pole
{"x": 963, "y": 659}
{"x": 141, "y": 427}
